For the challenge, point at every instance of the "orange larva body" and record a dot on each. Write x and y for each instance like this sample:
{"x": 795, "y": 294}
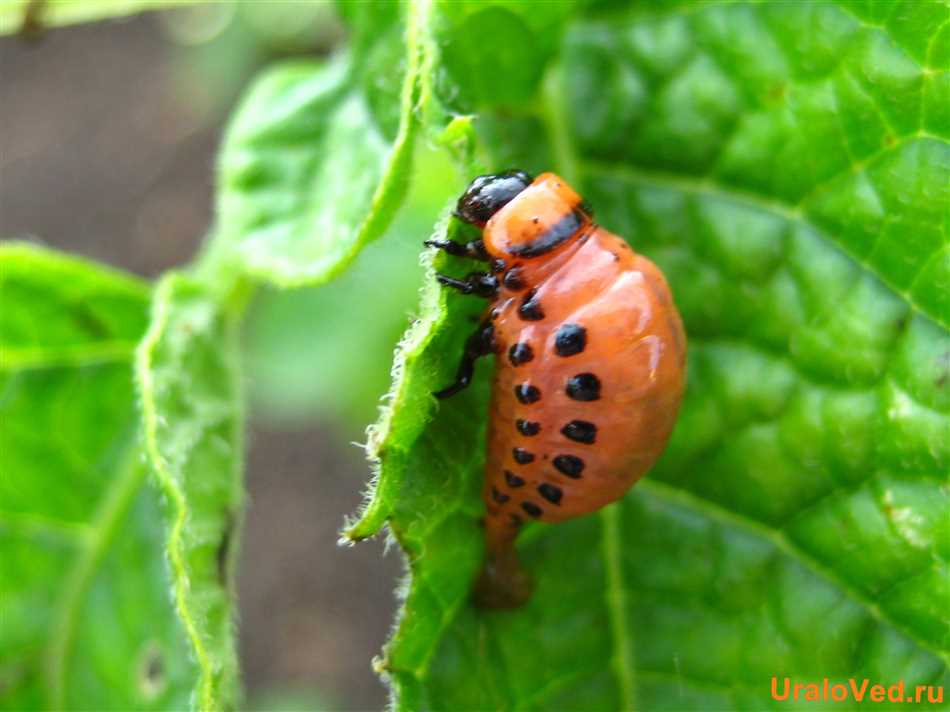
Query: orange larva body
{"x": 631, "y": 362}
{"x": 590, "y": 367}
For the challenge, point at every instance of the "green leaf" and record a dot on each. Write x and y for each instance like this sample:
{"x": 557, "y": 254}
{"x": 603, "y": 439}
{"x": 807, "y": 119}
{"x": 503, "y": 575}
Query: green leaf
{"x": 494, "y": 53}
{"x": 187, "y": 378}
{"x": 61, "y": 311}
{"x": 420, "y": 357}
{"x": 86, "y": 617}
{"x": 352, "y": 346}
{"x": 55, "y": 13}
{"x": 317, "y": 158}
{"x": 788, "y": 166}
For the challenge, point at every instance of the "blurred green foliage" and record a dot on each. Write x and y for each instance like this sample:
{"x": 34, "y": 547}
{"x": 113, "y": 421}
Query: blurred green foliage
{"x": 34, "y": 16}
{"x": 326, "y": 352}
{"x": 86, "y": 617}
{"x": 217, "y": 46}
{"x": 786, "y": 164}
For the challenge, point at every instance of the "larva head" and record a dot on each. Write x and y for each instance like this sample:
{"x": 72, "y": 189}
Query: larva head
{"x": 532, "y": 220}
{"x": 488, "y": 194}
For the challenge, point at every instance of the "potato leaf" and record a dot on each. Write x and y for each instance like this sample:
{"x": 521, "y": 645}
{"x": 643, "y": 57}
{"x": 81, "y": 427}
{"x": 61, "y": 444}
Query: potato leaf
{"x": 192, "y": 417}
{"x": 788, "y": 166}
{"x": 317, "y": 158}
{"x": 87, "y": 621}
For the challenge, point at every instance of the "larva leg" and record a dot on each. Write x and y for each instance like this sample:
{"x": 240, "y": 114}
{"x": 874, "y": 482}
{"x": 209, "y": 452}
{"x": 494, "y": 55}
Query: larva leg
{"x": 480, "y": 284}
{"x": 481, "y": 343}
{"x": 474, "y": 249}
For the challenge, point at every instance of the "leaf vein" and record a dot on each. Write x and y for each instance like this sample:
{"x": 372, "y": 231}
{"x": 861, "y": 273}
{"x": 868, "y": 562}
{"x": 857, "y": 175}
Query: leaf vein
{"x": 113, "y": 506}
{"x": 788, "y": 546}
{"x": 622, "y": 660}
{"x": 706, "y": 187}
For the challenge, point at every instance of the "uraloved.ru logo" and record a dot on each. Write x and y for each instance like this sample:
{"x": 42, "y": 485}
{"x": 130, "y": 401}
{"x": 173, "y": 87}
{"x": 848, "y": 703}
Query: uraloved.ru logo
{"x": 857, "y": 690}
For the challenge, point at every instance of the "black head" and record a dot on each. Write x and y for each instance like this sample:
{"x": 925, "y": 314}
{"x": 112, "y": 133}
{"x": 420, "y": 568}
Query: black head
{"x": 486, "y": 195}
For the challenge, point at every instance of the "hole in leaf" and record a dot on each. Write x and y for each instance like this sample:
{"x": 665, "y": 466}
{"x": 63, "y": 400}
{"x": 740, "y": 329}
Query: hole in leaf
{"x": 151, "y": 671}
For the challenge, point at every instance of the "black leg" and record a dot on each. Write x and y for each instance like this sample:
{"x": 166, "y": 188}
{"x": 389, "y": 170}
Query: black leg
{"x": 480, "y": 284}
{"x": 474, "y": 250}
{"x": 481, "y": 343}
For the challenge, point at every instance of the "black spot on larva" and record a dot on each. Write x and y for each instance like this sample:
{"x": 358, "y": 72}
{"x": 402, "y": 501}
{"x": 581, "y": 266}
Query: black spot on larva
{"x": 513, "y": 279}
{"x": 552, "y": 493}
{"x": 512, "y": 479}
{"x": 532, "y": 509}
{"x": 522, "y": 456}
{"x": 527, "y": 427}
{"x": 570, "y": 339}
{"x": 580, "y": 431}
{"x": 520, "y": 353}
{"x": 499, "y": 497}
{"x": 526, "y": 393}
{"x": 569, "y": 465}
{"x": 530, "y": 309}
{"x": 583, "y": 387}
